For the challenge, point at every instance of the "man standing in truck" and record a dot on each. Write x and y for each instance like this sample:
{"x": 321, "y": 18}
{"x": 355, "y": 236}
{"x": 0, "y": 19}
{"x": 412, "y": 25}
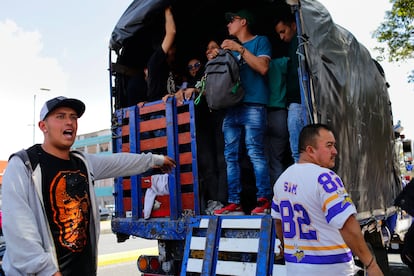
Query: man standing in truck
{"x": 247, "y": 121}
{"x": 285, "y": 27}
{"x": 50, "y": 213}
{"x": 315, "y": 217}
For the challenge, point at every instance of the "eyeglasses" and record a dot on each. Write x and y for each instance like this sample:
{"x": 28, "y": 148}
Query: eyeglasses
{"x": 231, "y": 19}
{"x": 195, "y": 66}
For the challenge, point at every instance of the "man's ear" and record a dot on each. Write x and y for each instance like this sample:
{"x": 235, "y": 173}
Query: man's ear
{"x": 42, "y": 126}
{"x": 310, "y": 149}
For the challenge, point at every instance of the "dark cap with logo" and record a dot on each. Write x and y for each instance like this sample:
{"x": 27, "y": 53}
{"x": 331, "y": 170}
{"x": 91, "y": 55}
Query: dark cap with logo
{"x": 242, "y": 14}
{"x": 61, "y": 101}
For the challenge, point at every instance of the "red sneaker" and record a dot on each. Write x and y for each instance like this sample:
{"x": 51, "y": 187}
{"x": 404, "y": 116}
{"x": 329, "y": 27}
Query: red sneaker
{"x": 231, "y": 209}
{"x": 263, "y": 207}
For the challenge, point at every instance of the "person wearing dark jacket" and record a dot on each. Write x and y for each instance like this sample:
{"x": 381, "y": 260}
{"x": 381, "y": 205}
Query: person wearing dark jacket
{"x": 405, "y": 200}
{"x": 160, "y": 76}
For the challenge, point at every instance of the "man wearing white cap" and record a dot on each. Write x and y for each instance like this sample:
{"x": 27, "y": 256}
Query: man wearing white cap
{"x": 50, "y": 211}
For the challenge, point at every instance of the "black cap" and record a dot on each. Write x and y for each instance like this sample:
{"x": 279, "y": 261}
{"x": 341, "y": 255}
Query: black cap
{"x": 242, "y": 14}
{"x": 60, "y": 101}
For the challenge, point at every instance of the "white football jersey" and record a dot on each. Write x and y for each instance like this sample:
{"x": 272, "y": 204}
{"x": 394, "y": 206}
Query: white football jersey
{"x": 313, "y": 205}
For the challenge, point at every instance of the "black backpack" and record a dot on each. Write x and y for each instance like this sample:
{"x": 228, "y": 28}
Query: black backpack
{"x": 221, "y": 81}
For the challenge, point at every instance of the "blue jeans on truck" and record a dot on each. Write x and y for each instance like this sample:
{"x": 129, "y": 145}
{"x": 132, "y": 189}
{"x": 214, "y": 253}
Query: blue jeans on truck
{"x": 246, "y": 122}
{"x": 295, "y": 125}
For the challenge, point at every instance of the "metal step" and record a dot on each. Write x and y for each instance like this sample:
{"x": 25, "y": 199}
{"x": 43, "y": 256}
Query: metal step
{"x": 232, "y": 245}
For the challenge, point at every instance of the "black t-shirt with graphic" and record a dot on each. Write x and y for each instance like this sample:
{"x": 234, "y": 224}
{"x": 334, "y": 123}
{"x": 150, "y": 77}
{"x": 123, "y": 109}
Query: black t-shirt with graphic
{"x": 67, "y": 204}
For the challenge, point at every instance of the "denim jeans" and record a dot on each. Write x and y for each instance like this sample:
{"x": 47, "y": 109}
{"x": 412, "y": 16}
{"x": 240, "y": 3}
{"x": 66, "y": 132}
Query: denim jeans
{"x": 249, "y": 123}
{"x": 295, "y": 125}
{"x": 277, "y": 143}
{"x": 154, "y": 133}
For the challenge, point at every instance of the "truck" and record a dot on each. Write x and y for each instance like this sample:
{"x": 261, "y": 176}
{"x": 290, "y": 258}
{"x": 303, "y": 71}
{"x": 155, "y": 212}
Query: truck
{"x": 341, "y": 85}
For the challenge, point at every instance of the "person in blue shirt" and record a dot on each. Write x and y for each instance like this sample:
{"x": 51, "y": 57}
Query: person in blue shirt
{"x": 245, "y": 124}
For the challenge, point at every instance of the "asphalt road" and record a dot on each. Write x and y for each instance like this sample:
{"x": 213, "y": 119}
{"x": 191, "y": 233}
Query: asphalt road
{"x": 117, "y": 259}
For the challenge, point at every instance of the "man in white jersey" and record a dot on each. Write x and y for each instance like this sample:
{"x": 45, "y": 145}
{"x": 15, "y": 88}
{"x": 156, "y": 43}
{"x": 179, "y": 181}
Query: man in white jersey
{"x": 315, "y": 217}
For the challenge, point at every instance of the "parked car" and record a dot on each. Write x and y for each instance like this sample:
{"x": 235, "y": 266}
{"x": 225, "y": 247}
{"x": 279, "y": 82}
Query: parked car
{"x": 105, "y": 213}
{"x": 111, "y": 208}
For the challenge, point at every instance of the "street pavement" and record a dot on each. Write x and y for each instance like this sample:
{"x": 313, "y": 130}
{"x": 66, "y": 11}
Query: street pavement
{"x": 106, "y": 227}
{"x": 124, "y": 255}
{"x": 150, "y": 248}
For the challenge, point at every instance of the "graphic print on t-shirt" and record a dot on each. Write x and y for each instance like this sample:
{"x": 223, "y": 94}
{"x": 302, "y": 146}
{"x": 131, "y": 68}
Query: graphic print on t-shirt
{"x": 69, "y": 201}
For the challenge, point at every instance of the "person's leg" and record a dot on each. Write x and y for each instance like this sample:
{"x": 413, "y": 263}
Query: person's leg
{"x": 254, "y": 120}
{"x": 231, "y": 131}
{"x": 295, "y": 125}
{"x": 159, "y": 132}
{"x": 221, "y": 166}
{"x": 276, "y": 142}
{"x": 248, "y": 197}
{"x": 205, "y": 155}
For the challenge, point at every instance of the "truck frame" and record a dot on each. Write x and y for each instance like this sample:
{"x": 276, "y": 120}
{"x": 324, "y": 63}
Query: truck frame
{"x": 340, "y": 85}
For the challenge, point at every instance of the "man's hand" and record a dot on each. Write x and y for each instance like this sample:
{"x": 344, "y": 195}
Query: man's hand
{"x": 168, "y": 165}
{"x": 230, "y": 44}
{"x": 374, "y": 270}
{"x": 165, "y": 98}
{"x": 179, "y": 96}
{"x": 188, "y": 93}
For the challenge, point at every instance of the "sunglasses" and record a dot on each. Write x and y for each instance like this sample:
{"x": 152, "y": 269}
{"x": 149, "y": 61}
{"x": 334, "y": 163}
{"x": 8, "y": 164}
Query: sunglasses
{"x": 195, "y": 66}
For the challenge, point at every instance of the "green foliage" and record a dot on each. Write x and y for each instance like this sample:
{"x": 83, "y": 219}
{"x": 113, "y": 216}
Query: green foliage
{"x": 397, "y": 31}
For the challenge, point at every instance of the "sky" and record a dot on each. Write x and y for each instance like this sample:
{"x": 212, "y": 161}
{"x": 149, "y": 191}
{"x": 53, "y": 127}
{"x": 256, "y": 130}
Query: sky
{"x": 51, "y": 48}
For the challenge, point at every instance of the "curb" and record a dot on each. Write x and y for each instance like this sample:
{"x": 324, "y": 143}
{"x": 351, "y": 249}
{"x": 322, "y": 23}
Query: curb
{"x": 126, "y": 256}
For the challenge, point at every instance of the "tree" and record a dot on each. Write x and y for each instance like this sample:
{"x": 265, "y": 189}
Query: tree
{"x": 397, "y": 31}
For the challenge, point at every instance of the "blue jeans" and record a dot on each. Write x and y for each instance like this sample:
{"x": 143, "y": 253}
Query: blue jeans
{"x": 154, "y": 133}
{"x": 250, "y": 121}
{"x": 295, "y": 125}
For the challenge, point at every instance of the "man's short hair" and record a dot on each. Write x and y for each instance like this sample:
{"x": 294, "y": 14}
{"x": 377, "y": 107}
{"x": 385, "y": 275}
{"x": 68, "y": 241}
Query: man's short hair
{"x": 308, "y": 135}
{"x": 284, "y": 15}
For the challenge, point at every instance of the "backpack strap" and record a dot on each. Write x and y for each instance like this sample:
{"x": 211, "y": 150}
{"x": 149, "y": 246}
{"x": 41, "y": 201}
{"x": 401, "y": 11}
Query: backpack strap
{"x": 31, "y": 161}
{"x": 201, "y": 86}
{"x": 235, "y": 87}
{"x": 22, "y": 154}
